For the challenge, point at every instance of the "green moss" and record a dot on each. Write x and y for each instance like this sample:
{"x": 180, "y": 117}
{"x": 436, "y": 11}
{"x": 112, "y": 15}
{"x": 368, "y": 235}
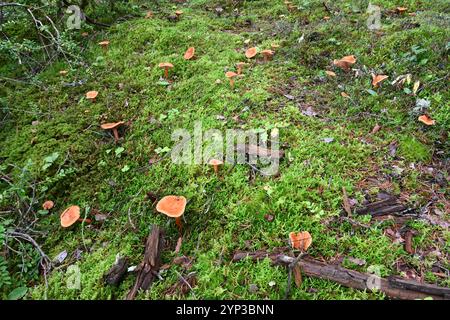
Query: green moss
{"x": 413, "y": 150}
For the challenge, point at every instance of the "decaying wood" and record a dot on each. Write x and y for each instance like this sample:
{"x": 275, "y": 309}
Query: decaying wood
{"x": 256, "y": 151}
{"x": 382, "y": 207}
{"x": 148, "y": 269}
{"x": 115, "y": 275}
{"x": 392, "y": 287}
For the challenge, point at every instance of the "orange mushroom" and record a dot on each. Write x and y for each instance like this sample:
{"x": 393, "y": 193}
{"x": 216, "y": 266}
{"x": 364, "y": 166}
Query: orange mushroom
{"x": 47, "y": 205}
{"x": 216, "y": 163}
{"x": 377, "y": 79}
{"x": 267, "y": 54}
{"x": 426, "y": 120}
{"x": 251, "y": 52}
{"x": 104, "y": 44}
{"x": 92, "y": 95}
{"x": 113, "y": 126}
{"x": 189, "y": 53}
{"x": 166, "y": 66}
{"x": 401, "y": 10}
{"x": 346, "y": 62}
{"x": 300, "y": 240}
{"x": 70, "y": 216}
{"x": 231, "y": 75}
{"x": 178, "y": 13}
{"x": 240, "y": 66}
{"x": 149, "y": 15}
{"x": 173, "y": 207}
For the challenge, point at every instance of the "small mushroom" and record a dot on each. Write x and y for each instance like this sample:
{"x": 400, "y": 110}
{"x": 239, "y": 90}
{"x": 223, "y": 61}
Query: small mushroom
{"x": 47, "y": 205}
{"x": 173, "y": 207}
{"x": 300, "y": 240}
{"x": 345, "y": 63}
{"x": 401, "y": 10}
{"x": 240, "y": 66}
{"x": 178, "y": 13}
{"x": 377, "y": 79}
{"x": 166, "y": 66}
{"x": 92, "y": 95}
{"x": 70, "y": 216}
{"x": 113, "y": 126}
{"x": 149, "y": 15}
{"x": 189, "y": 53}
{"x": 267, "y": 54}
{"x": 426, "y": 120}
{"x": 104, "y": 44}
{"x": 215, "y": 163}
{"x": 231, "y": 75}
{"x": 84, "y": 34}
{"x": 251, "y": 52}
{"x": 63, "y": 72}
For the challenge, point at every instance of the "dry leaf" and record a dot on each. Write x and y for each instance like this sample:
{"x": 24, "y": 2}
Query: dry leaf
{"x": 346, "y": 202}
{"x": 416, "y": 87}
{"x": 297, "y": 275}
{"x": 376, "y": 129}
{"x": 178, "y": 246}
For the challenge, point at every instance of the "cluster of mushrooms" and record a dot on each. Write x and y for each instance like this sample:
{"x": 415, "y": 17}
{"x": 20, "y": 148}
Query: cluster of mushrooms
{"x": 345, "y": 63}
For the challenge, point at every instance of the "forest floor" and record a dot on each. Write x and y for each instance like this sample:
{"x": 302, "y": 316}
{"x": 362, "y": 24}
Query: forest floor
{"x": 337, "y": 131}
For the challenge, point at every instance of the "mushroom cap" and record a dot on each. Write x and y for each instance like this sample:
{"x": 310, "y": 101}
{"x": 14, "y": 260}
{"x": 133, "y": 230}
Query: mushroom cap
{"x": 345, "y": 62}
{"x": 189, "y": 53}
{"x": 267, "y": 52}
{"x": 251, "y": 52}
{"x": 426, "y": 120}
{"x": 165, "y": 65}
{"x": 300, "y": 240}
{"x": 149, "y": 15}
{"x": 91, "y": 94}
{"x": 47, "y": 205}
{"x": 108, "y": 126}
{"x": 230, "y": 74}
{"x": 376, "y": 79}
{"x": 172, "y": 206}
{"x": 104, "y": 43}
{"x": 85, "y": 34}
{"x": 240, "y": 64}
{"x": 178, "y": 12}
{"x": 402, "y": 9}
{"x": 70, "y": 216}
{"x": 215, "y": 162}
{"x": 330, "y": 73}
{"x": 63, "y": 72}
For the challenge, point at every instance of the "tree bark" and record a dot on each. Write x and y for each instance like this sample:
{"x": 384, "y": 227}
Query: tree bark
{"x": 393, "y": 287}
{"x": 148, "y": 269}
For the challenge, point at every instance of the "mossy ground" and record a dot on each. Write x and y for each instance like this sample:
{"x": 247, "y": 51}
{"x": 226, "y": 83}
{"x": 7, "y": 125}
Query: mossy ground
{"x": 228, "y": 214}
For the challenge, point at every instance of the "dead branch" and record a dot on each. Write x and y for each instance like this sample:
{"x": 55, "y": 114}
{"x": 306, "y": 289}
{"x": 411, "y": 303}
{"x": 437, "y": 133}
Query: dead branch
{"x": 393, "y": 287}
{"x": 148, "y": 269}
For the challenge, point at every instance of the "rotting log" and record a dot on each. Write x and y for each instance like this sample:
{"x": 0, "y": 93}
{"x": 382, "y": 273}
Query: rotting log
{"x": 393, "y": 287}
{"x": 115, "y": 275}
{"x": 148, "y": 269}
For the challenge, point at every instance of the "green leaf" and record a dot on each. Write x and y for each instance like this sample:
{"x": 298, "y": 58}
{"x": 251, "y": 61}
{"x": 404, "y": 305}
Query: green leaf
{"x": 18, "y": 293}
{"x": 371, "y": 92}
{"x": 125, "y": 168}
{"x": 119, "y": 150}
